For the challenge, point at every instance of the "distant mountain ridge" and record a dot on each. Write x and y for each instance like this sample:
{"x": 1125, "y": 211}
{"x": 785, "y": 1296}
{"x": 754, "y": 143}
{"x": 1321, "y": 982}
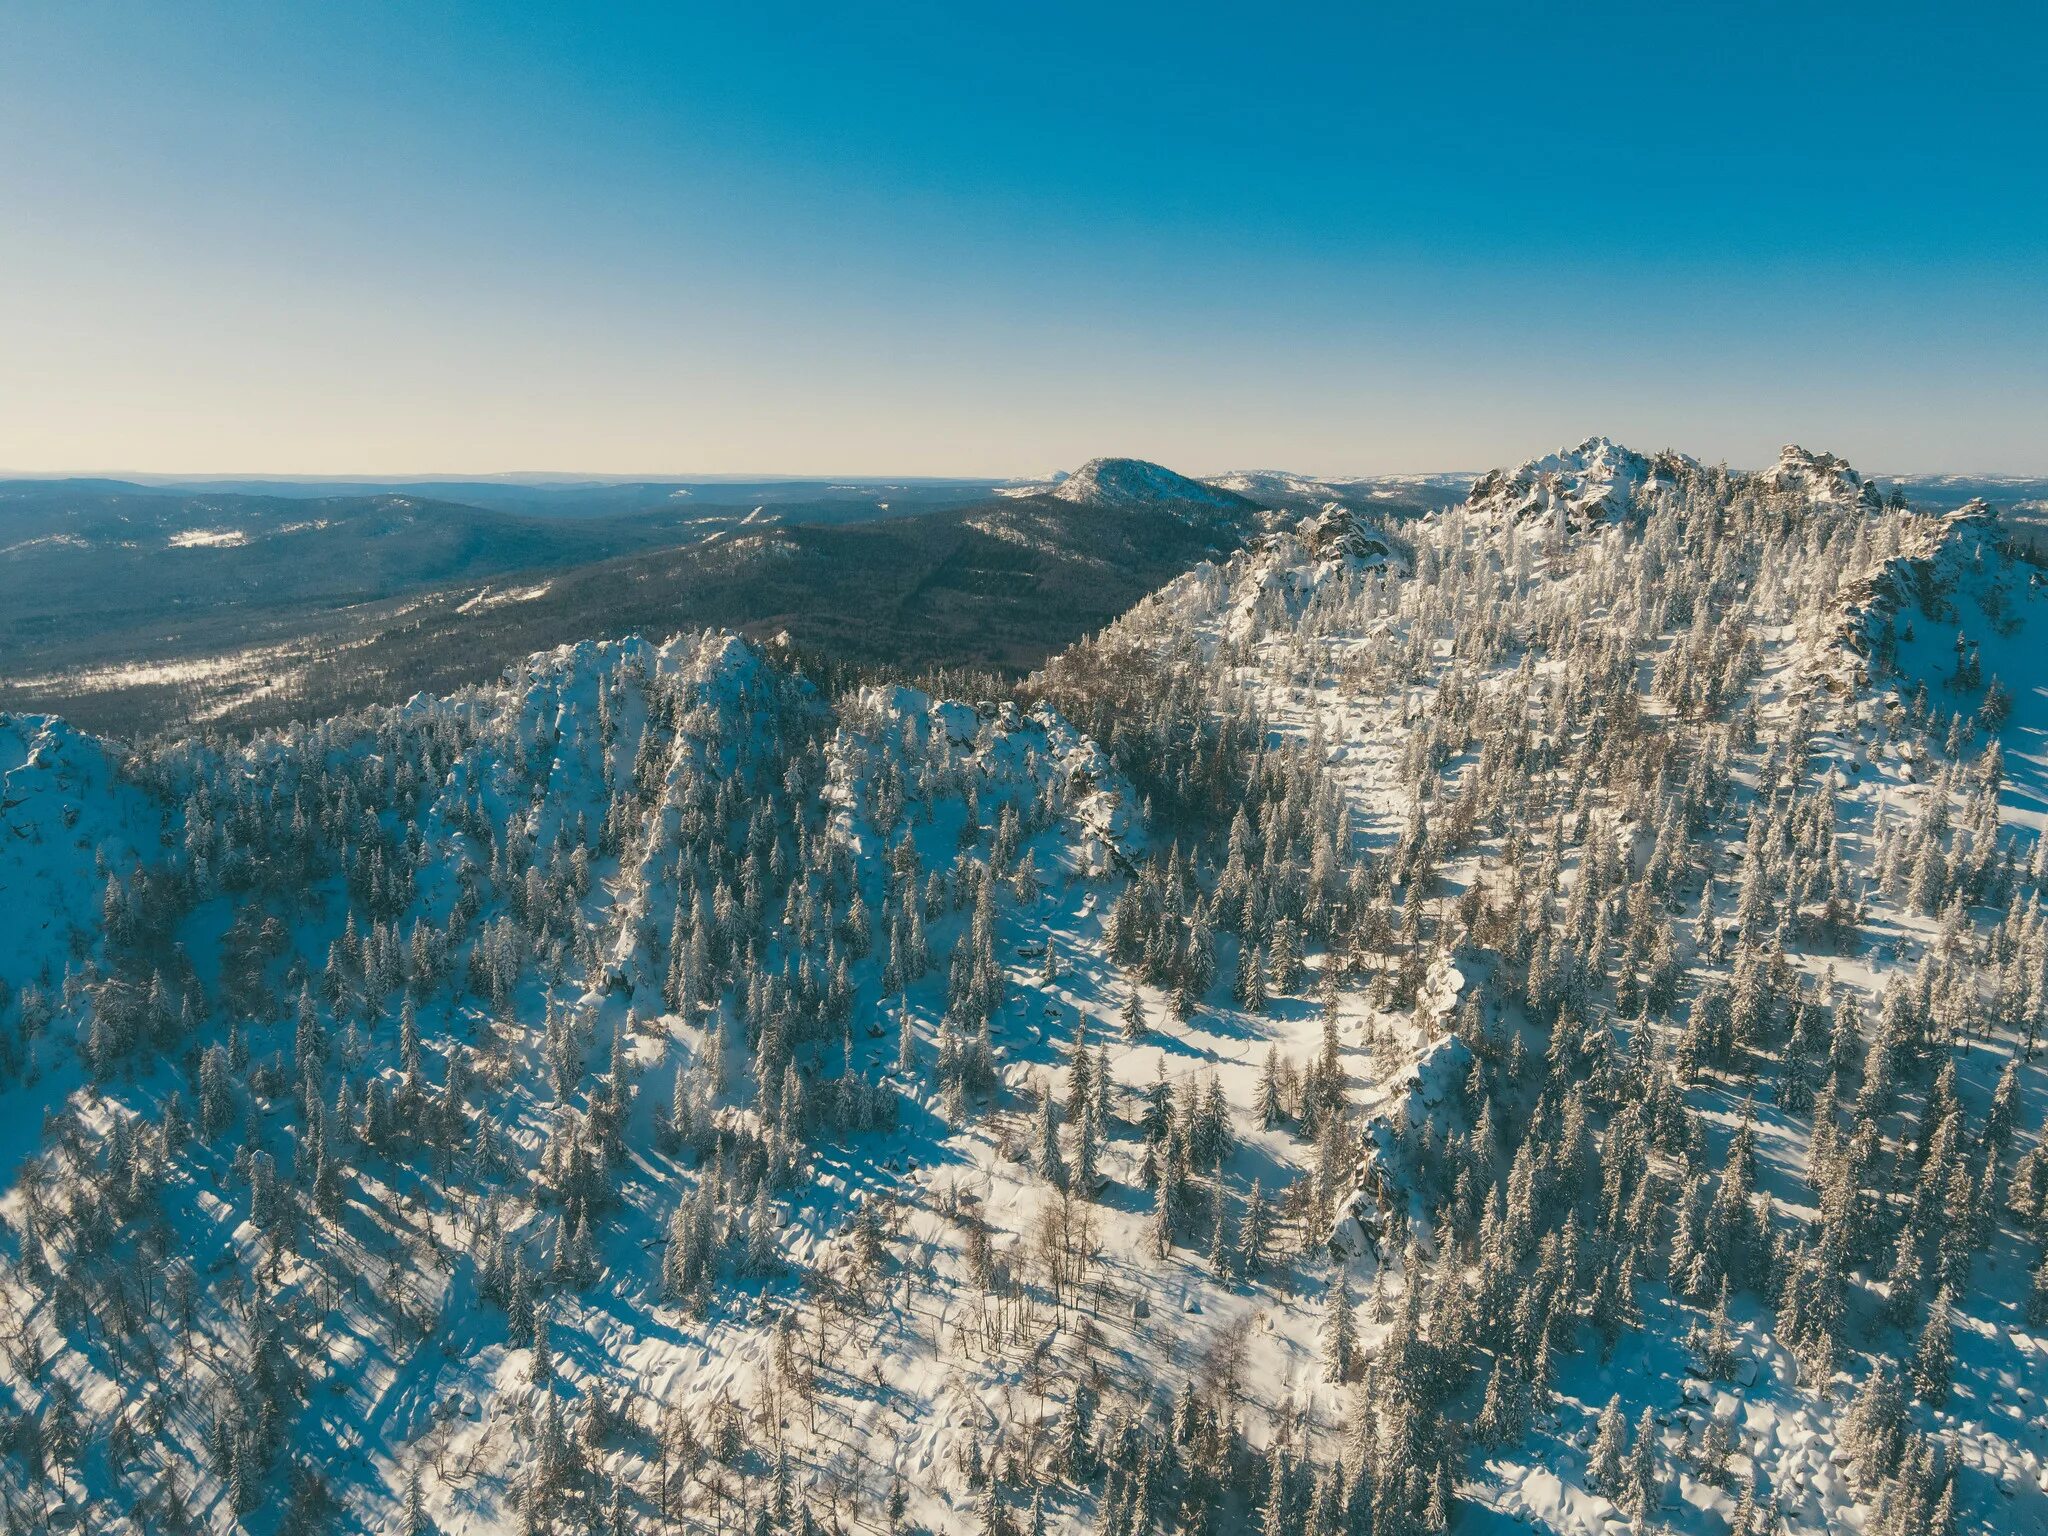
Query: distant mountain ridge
{"x": 131, "y": 608}
{"x": 1001, "y": 581}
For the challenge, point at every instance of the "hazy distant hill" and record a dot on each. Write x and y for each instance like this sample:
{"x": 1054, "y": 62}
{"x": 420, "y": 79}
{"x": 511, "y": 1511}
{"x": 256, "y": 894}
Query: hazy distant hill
{"x": 1002, "y": 583}
{"x": 106, "y": 572}
{"x": 564, "y": 496}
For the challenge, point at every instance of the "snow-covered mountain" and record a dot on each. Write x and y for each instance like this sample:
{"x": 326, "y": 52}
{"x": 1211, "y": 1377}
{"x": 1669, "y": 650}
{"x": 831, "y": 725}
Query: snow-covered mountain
{"x": 1801, "y": 840}
{"x": 1122, "y": 483}
{"x": 1526, "y": 1016}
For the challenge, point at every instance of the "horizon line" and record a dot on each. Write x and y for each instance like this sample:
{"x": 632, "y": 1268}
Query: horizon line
{"x": 616, "y": 477}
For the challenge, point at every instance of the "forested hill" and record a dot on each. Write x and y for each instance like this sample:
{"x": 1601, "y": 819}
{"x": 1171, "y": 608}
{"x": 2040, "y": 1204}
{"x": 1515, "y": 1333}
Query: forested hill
{"x": 144, "y": 615}
{"x": 1527, "y": 1016}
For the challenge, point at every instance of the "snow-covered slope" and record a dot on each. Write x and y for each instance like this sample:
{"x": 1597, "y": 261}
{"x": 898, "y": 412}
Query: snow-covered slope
{"x": 1737, "y": 746}
{"x": 67, "y": 815}
{"x": 70, "y": 814}
{"x": 1510, "y": 1020}
{"x": 531, "y": 947}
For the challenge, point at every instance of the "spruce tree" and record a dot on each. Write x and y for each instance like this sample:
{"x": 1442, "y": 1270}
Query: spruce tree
{"x": 1270, "y": 1108}
{"x": 1254, "y": 1233}
{"x": 906, "y": 1038}
{"x": 416, "y": 1521}
{"x": 1934, "y": 1355}
{"x": 1642, "y": 1483}
{"x": 1340, "y": 1332}
{"x": 1605, "y": 1462}
{"x": 1046, "y": 1139}
{"x": 540, "y": 1370}
{"x": 1133, "y": 1014}
{"x": 1875, "y": 1421}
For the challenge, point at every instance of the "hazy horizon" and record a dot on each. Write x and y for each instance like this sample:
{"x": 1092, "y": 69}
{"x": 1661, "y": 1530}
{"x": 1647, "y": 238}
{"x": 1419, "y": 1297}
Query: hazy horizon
{"x": 566, "y": 478}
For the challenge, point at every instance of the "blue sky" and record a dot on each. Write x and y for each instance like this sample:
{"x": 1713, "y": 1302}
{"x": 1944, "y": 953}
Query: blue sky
{"x": 955, "y": 239}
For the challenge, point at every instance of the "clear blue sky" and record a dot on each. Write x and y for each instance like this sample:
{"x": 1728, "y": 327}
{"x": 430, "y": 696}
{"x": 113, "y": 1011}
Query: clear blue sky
{"x": 355, "y": 238}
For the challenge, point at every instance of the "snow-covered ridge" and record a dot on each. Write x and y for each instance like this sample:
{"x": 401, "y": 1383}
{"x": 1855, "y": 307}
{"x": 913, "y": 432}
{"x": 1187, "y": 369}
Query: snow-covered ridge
{"x": 565, "y": 867}
{"x": 1258, "y": 484}
{"x": 1704, "y": 594}
{"x": 497, "y": 597}
{"x": 1004, "y": 746}
{"x": 210, "y": 538}
{"x": 1951, "y": 575}
{"x": 1600, "y": 480}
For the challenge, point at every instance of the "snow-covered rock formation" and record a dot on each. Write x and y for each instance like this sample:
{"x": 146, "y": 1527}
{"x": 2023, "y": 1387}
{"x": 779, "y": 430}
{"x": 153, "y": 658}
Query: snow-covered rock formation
{"x": 1596, "y": 481}
{"x": 1818, "y": 477}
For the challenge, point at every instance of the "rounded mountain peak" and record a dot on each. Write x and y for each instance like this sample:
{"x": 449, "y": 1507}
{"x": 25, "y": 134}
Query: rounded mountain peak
{"x": 1114, "y": 482}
